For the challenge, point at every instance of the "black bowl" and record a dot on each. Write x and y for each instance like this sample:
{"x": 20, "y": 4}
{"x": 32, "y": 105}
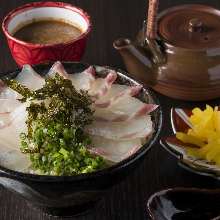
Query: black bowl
{"x": 71, "y": 195}
{"x": 185, "y": 204}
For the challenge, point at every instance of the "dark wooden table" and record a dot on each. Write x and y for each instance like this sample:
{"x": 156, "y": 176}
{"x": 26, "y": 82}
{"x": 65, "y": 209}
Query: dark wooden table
{"x": 126, "y": 201}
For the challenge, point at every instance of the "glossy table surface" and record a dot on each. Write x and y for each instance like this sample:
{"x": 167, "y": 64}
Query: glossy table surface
{"x": 126, "y": 201}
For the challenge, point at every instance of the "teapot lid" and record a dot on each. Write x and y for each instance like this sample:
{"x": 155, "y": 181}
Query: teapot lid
{"x": 190, "y": 26}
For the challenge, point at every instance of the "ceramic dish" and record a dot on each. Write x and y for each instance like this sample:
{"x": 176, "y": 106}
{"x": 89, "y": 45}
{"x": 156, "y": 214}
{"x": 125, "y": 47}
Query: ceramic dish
{"x": 24, "y": 52}
{"x": 184, "y": 203}
{"x": 176, "y": 147}
{"x": 69, "y": 195}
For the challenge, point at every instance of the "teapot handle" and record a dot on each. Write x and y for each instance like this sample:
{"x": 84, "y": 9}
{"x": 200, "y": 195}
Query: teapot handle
{"x": 152, "y": 45}
{"x": 158, "y": 56}
{"x": 150, "y": 33}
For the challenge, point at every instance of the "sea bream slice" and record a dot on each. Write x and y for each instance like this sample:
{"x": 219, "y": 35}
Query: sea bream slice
{"x": 29, "y": 78}
{"x": 114, "y": 151}
{"x": 124, "y": 108}
{"x": 10, "y": 155}
{"x": 14, "y": 159}
{"x": 15, "y": 125}
{"x": 11, "y": 128}
{"x": 57, "y": 67}
{"x": 116, "y": 91}
{"x": 8, "y": 97}
{"x": 8, "y": 105}
{"x": 6, "y": 92}
{"x": 80, "y": 81}
{"x": 132, "y": 107}
{"x": 83, "y": 80}
{"x": 140, "y": 127}
{"x": 4, "y": 119}
{"x": 101, "y": 86}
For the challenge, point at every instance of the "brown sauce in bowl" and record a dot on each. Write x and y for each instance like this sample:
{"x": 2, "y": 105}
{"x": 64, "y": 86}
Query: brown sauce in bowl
{"x": 48, "y": 32}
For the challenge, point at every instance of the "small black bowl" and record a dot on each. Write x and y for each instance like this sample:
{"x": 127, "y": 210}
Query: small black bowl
{"x": 72, "y": 195}
{"x": 185, "y": 204}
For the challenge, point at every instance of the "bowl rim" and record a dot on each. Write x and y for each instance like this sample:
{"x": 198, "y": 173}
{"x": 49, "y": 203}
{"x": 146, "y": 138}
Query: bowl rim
{"x": 32, "y": 5}
{"x": 112, "y": 169}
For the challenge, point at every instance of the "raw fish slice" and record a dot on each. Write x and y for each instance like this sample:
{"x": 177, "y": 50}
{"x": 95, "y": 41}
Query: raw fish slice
{"x": 9, "y": 137}
{"x": 126, "y": 130}
{"x": 113, "y": 93}
{"x": 2, "y": 85}
{"x": 124, "y": 108}
{"x": 114, "y": 151}
{"x": 104, "y": 115}
{"x": 116, "y": 92}
{"x": 7, "y": 93}
{"x": 146, "y": 109}
{"x": 19, "y": 117}
{"x": 14, "y": 160}
{"x": 101, "y": 86}
{"x": 15, "y": 125}
{"x": 10, "y": 155}
{"x": 4, "y": 120}
{"x": 57, "y": 68}
{"x": 97, "y": 87}
{"x": 83, "y": 80}
{"x": 10, "y": 110}
{"x": 29, "y": 78}
{"x": 8, "y": 105}
{"x": 132, "y": 107}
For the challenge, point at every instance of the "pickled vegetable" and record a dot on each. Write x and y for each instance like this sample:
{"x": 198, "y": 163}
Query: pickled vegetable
{"x": 204, "y": 134}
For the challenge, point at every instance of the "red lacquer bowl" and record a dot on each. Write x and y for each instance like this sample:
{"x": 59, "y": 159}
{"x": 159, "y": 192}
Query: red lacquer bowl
{"x": 28, "y": 53}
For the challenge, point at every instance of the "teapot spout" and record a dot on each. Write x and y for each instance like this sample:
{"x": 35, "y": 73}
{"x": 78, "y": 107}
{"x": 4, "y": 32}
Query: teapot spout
{"x": 121, "y": 43}
{"x": 138, "y": 61}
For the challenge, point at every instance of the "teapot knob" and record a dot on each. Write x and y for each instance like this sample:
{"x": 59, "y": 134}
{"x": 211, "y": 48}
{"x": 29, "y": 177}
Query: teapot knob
{"x": 195, "y": 25}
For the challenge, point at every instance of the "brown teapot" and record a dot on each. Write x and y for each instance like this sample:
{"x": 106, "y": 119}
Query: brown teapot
{"x": 183, "y": 61}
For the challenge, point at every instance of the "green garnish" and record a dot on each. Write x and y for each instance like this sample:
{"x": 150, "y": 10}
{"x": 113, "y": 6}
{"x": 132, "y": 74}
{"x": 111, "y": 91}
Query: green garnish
{"x": 23, "y": 90}
{"x": 55, "y": 140}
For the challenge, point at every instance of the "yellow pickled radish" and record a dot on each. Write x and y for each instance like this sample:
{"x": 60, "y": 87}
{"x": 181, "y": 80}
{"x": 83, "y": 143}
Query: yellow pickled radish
{"x": 185, "y": 138}
{"x": 204, "y": 150}
{"x": 193, "y": 152}
{"x": 196, "y": 116}
{"x": 217, "y": 119}
{"x": 217, "y": 159}
{"x": 214, "y": 150}
{"x": 205, "y": 133}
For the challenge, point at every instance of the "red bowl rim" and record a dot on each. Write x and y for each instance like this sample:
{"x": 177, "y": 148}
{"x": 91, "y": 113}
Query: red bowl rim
{"x": 28, "y": 6}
